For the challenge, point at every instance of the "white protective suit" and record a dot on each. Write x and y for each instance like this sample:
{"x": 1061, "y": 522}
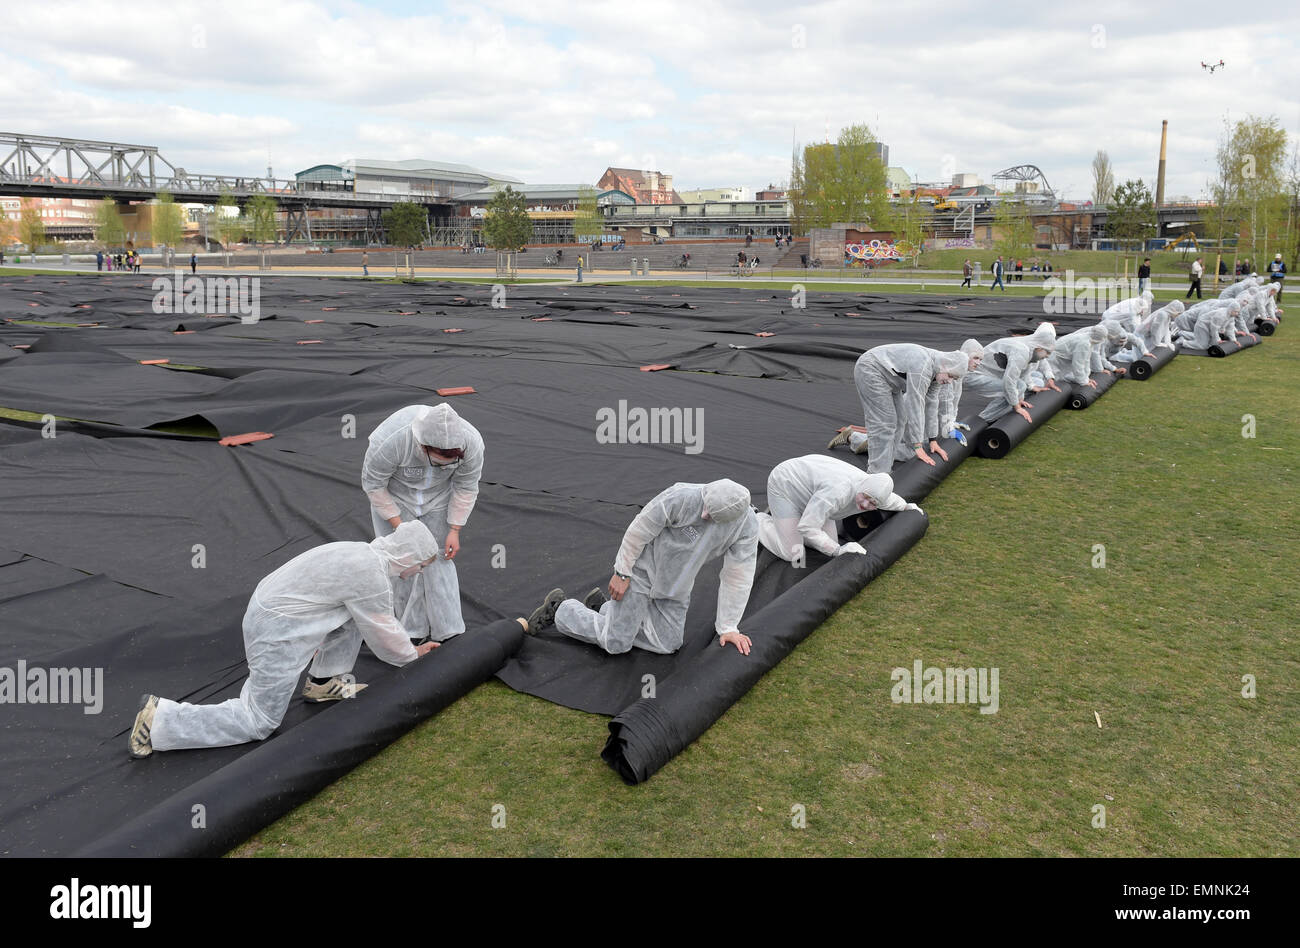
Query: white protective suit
{"x": 326, "y": 601}
{"x": 1004, "y": 381}
{"x": 400, "y": 480}
{"x": 901, "y": 400}
{"x": 662, "y": 551}
{"x": 1072, "y": 358}
{"x": 807, "y": 497}
{"x": 950, "y": 394}
{"x": 1156, "y": 329}
{"x": 1233, "y": 290}
{"x": 1206, "y": 323}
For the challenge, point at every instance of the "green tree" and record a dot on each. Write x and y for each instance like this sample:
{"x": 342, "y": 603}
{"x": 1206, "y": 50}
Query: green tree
{"x": 587, "y": 222}
{"x": 1016, "y": 229}
{"x": 229, "y": 226}
{"x": 1131, "y": 216}
{"x": 31, "y": 229}
{"x": 840, "y": 182}
{"x": 110, "y": 230}
{"x": 260, "y": 212}
{"x": 507, "y": 226}
{"x": 168, "y": 226}
{"x": 404, "y": 222}
{"x": 1249, "y": 188}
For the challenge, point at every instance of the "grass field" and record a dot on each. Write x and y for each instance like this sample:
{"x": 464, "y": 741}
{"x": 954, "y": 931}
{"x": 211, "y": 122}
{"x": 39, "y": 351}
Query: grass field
{"x": 1199, "y": 527}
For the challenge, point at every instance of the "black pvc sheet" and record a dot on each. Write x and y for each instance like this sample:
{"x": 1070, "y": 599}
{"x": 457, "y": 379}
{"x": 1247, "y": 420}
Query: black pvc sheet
{"x": 273, "y": 778}
{"x": 649, "y": 733}
{"x": 1264, "y": 327}
{"x": 1082, "y": 396}
{"x": 1143, "y": 368}
{"x": 105, "y": 524}
{"x": 999, "y": 438}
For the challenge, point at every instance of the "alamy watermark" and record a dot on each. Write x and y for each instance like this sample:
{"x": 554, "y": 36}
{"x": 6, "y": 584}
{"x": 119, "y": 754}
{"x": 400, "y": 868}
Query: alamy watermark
{"x": 25, "y": 684}
{"x": 200, "y": 296}
{"x": 921, "y": 685}
{"x": 1086, "y": 295}
{"x": 624, "y": 425}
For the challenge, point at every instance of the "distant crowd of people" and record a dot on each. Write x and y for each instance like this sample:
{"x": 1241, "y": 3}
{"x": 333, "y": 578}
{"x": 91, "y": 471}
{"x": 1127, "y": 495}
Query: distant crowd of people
{"x": 128, "y": 260}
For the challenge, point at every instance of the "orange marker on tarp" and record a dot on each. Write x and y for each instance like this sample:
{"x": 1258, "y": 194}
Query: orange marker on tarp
{"x": 308, "y": 342}
{"x": 24, "y": 346}
{"x": 764, "y": 335}
{"x": 313, "y": 320}
{"x": 453, "y": 330}
{"x": 655, "y": 368}
{"x": 183, "y": 332}
{"x": 541, "y": 319}
{"x": 463, "y": 390}
{"x": 154, "y": 361}
{"x": 328, "y": 309}
{"x": 248, "y": 438}
{"x": 621, "y": 312}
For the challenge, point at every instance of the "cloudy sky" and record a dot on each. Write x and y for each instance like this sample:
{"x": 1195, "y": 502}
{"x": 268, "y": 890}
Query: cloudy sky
{"x": 713, "y": 93}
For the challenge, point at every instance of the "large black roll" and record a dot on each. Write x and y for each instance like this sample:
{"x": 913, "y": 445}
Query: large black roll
{"x": 1144, "y": 368}
{"x": 289, "y": 768}
{"x": 997, "y": 440}
{"x": 1081, "y": 396}
{"x": 914, "y": 479}
{"x": 648, "y": 734}
{"x": 1229, "y": 347}
{"x": 1264, "y": 327}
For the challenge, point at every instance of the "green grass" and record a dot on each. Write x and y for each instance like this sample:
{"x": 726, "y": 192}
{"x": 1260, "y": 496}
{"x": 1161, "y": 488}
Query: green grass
{"x": 1199, "y": 526}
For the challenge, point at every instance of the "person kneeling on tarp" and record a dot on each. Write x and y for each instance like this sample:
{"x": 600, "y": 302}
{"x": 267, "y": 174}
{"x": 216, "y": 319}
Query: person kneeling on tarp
{"x": 664, "y": 548}
{"x": 807, "y": 497}
{"x": 1003, "y": 378}
{"x": 899, "y": 385}
{"x": 324, "y": 602}
{"x": 1071, "y": 359}
{"x": 424, "y": 463}
{"x": 1206, "y": 324}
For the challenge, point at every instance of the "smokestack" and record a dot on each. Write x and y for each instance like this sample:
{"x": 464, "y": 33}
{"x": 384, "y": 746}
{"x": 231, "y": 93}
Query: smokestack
{"x": 1160, "y": 174}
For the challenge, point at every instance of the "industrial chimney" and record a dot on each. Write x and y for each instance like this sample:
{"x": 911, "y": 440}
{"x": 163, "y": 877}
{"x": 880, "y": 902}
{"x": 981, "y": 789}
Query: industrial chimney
{"x": 1160, "y": 174}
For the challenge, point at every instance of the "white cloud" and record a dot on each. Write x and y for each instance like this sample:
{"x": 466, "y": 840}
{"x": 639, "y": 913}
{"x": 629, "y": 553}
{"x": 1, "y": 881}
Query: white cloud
{"x": 550, "y": 90}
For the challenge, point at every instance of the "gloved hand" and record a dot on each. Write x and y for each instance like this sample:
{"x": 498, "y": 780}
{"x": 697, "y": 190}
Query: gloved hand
{"x": 850, "y": 548}
{"x": 957, "y": 436}
{"x": 962, "y": 425}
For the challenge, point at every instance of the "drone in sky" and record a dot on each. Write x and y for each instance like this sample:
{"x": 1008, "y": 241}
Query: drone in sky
{"x": 1212, "y": 66}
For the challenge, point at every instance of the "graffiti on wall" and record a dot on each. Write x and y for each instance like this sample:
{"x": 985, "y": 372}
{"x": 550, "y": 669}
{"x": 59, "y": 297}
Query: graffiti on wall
{"x": 959, "y": 243}
{"x": 873, "y": 250}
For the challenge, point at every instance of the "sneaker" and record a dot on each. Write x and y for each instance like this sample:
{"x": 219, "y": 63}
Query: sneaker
{"x": 336, "y": 689}
{"x": 594, "y": 599}
{"x": 138, "y": 740}
{"x": 544, "y": 614}
{"x": 841, "y": 437}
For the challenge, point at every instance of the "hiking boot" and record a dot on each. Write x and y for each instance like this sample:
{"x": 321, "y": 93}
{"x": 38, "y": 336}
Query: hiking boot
{"x": 594, "y": 599}
{"x": 138, "y": 740}
{"x": 336, "y": 689}
{"x": 544, "y": 614}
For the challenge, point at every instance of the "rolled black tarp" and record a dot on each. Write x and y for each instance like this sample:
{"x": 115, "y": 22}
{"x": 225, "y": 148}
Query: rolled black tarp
{"x": 263, "y": 785}
{"x": 1081, "y": 396}
{"x": 914, "y": 479}
{"x": 1144, "y": 368}
{"x": 1229, "y": 347}
{"x": 997, "y": 440}
{"x": 1264, "y": 327}
{"x": 649, "y": 733}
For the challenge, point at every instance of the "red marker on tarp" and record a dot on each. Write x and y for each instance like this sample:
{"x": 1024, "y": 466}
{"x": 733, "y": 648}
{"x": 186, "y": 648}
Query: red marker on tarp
{"x": 462, "y": 390}
{"x": 248, "y": 438}
{"x": 656, "y": 368}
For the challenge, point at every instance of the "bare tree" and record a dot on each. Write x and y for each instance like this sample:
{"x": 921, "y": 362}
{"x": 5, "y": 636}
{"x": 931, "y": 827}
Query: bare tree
{"x": 1103, "y": 179}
